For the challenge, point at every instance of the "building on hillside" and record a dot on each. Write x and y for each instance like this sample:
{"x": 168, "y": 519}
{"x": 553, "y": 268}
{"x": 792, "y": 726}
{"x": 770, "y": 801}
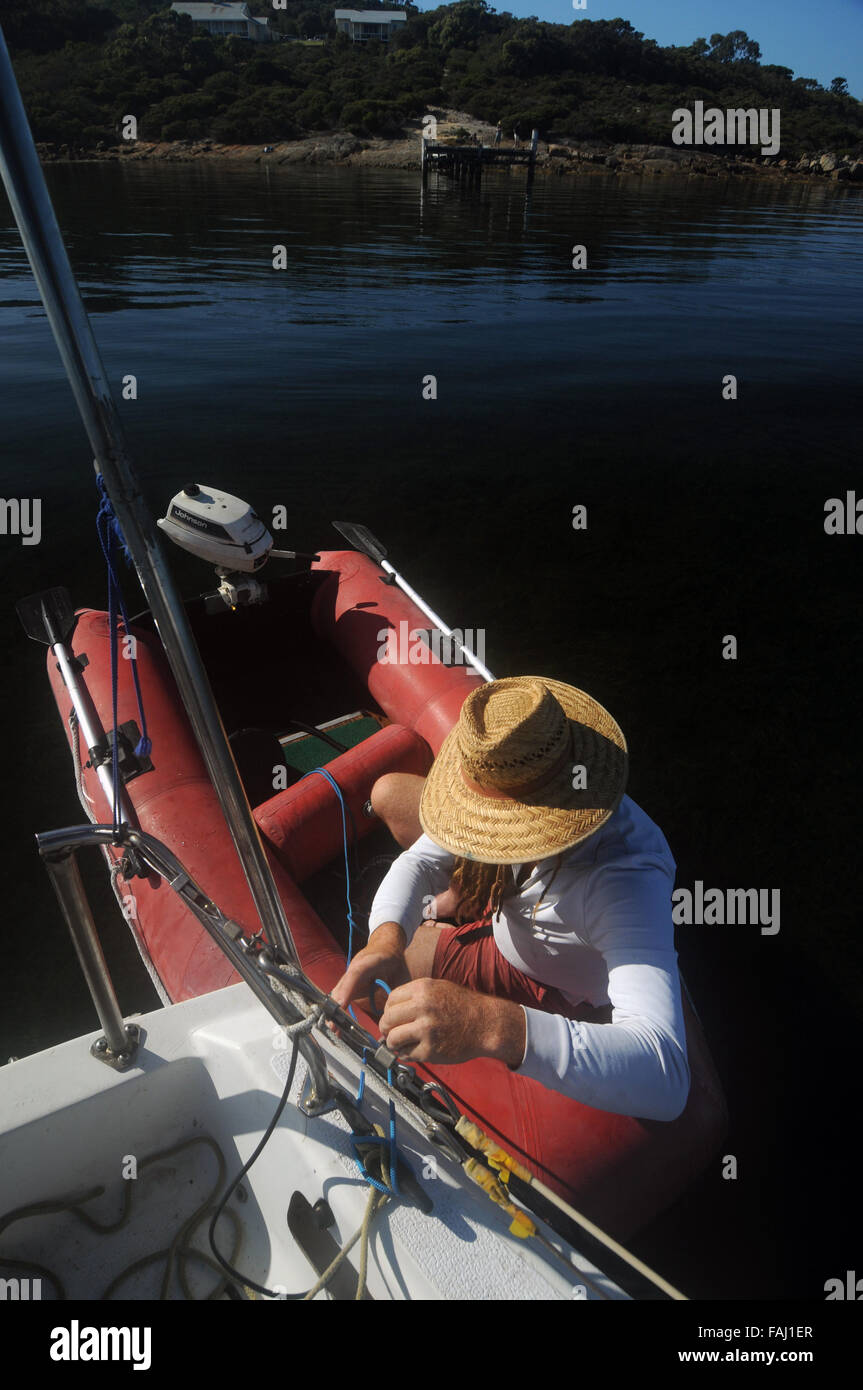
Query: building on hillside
{"x": 227, "y": 21}
{"x": 365, "y": 25}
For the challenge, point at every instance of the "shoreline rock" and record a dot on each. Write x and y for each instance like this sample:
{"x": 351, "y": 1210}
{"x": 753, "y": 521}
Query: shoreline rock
{"x": 566, "y": 156}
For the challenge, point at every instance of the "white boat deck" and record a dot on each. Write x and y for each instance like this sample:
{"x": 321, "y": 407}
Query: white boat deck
{"x": 214, "y": 1067}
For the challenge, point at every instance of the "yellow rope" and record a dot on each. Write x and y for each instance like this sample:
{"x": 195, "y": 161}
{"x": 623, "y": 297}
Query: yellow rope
{"x": 504, "y": 1164}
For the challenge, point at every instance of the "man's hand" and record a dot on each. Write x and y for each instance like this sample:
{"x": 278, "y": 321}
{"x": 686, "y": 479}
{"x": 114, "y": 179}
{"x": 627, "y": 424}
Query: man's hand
{"x": 382, "y": 959}
{"x": 437, "y": 1021}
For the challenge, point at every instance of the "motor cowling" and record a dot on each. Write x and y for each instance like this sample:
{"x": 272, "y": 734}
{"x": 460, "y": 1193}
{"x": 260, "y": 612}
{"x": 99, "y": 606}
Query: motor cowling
{"x": 218, "y": 527}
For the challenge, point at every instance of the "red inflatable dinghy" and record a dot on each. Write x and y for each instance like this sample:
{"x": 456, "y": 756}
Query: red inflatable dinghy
{"x": 326, "y": 674}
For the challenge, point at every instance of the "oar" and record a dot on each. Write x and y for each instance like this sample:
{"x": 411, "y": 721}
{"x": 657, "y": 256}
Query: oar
{"x": 361, "y": 538}
{"x": 49, "y": 617}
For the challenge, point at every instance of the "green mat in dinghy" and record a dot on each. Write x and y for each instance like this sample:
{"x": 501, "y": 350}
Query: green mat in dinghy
{"x": 303, "y": 751}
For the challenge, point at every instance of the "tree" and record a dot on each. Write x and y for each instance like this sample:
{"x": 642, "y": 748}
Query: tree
{"x": 736, "y": 47}
{"x": 462, "y": 24}
{"x": 839, "y": 85}
{"x": 538, "y": 53}
{"x": 609, "y": 46}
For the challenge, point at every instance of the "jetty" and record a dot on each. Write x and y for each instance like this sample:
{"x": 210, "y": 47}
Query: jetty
{"x": 468, "y": 161}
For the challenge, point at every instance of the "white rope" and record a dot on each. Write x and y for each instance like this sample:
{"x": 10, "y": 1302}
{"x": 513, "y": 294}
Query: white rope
{"x": 609, "y": 1242}
{"x": 305, "y": 1025}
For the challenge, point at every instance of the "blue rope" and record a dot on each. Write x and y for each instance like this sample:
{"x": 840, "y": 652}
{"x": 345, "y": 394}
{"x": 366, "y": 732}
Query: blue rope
{"x": 394, "y": 1178}
{"x": 110, "y": 537}
{"x": 322, "y": 771}
{"x": 366, "y": 1139}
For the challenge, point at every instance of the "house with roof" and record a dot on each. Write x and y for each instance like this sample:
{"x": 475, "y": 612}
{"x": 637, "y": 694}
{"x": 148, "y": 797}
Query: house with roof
{"x": 226, "y": 21}
{"x": 370, "y": 25}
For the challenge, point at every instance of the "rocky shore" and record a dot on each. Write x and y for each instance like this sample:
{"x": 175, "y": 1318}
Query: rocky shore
{"x": 659, "y": 159}
{"x": 566, "y": 157}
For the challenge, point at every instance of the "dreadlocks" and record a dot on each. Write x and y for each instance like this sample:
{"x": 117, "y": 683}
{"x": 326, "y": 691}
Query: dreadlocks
{"x": 481, "y": 887}
{"x": 484, "y": 887}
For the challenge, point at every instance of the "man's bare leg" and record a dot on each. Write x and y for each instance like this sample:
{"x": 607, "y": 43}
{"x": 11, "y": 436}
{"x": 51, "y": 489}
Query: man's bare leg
{"x": 419, "y": 956}
{"x": 396, "y": 799}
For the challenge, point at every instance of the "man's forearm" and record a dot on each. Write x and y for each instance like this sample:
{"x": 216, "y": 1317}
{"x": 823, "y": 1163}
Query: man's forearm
{"x": 504, "y": 1030}
{"x": 383, "y": 956}
{"x": 389, "y": 936}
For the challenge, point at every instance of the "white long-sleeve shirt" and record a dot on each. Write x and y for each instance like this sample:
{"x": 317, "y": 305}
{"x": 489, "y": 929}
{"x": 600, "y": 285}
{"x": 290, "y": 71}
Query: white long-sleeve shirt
{"x": 602, "y": 933}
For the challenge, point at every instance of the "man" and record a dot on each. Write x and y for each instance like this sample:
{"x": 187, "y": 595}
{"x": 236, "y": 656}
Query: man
{"x": 563, "y": 886}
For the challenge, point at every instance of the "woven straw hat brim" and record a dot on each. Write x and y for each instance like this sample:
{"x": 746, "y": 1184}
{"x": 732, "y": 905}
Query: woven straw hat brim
{"x": 533, "y": 827}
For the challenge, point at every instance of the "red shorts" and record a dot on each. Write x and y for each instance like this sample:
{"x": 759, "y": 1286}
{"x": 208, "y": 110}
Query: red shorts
{"x": 468, "y": 956}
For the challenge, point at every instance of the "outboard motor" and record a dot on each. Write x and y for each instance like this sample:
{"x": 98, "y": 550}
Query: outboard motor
{"x": 224, "y": 529}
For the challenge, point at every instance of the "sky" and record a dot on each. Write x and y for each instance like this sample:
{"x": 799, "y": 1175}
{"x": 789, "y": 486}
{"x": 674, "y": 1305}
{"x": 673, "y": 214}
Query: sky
{"x": 817, "y": 38}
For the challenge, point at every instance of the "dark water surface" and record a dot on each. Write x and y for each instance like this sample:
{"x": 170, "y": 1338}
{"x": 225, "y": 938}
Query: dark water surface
{"x": 554, "y": 387}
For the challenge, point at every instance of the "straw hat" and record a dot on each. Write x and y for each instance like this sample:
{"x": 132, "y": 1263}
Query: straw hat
{"x": 501, "y": 788}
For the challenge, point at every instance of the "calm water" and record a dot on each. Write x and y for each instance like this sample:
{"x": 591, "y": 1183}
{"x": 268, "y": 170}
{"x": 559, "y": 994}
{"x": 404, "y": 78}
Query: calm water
{"x": 554, "y": 387}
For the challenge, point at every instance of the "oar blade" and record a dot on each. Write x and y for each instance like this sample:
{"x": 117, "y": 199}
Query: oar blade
{"x": 48, "y": 616}
{"x": 361, "y": 538}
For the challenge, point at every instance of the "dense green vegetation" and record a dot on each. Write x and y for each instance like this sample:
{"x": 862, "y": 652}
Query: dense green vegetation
{"x": 84, "y": 66}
